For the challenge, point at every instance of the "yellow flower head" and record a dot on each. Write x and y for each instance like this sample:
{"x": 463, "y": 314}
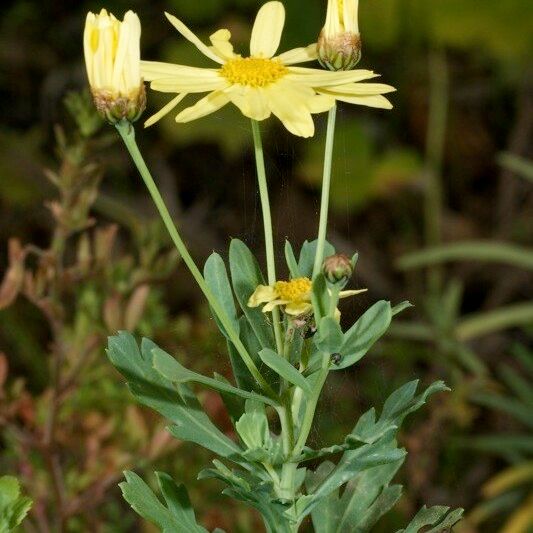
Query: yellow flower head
{"x": 294, "y": 296}
{"x": 112, "y": 59}
{"x": 262, "y": 84}
{"x": 339, "y": 43}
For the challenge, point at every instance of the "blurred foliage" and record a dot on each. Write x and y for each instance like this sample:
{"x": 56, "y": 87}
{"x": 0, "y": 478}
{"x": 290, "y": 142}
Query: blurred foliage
{"x": 380, "y": 187}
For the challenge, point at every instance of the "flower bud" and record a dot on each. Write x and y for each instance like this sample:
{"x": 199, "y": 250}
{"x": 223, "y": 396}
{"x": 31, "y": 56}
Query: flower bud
{"x": 337, "y": 268}
{"x": 113, "y": 62}
{"x": 339, "y": 43}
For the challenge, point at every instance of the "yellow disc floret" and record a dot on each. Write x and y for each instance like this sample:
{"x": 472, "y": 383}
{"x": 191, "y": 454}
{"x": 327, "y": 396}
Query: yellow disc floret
{"x": 295, "y": 290}
{"x": 253, "y": 71}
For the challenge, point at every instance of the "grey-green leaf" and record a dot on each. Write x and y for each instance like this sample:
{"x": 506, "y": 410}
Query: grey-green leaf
{"x": 307, "y": 256}
{"x": 284, "y": 369}
{"x": 364, "y": 333}
{"x": 294, "y": 269}
{"x": 217, "y": 280}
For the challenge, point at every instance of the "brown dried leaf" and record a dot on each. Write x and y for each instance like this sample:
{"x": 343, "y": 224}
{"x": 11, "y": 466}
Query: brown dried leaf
{"x": 136, "y": 306}
{"x": 14, "y": 276}
{"x": 104, "y": 240}
{"x": 112, "y": 312}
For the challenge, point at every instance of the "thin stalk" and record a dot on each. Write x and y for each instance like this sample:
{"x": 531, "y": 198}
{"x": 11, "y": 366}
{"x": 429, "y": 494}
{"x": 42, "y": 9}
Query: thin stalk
{"x": 436, "y": 136}
{"x": 326, "y": 186}
{"x": 267, "y": 224}
{"x": 127, "y": 133}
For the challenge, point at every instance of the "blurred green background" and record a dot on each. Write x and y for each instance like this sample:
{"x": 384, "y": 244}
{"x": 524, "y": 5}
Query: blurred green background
{"x": 435, "y": 195}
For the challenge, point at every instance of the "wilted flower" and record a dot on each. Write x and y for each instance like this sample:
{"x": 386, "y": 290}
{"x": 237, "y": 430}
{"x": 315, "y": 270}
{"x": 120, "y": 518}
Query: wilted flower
{"x": 112, "y": 58}
{"x": 294, "y": 296}
{"x": 262, "y": 84}
{"x": 339, "y": 43}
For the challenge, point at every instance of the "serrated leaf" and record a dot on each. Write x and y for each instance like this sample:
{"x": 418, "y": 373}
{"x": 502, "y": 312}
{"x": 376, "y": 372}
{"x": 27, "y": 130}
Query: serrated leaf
{"x": 13, "y": 506}
{"x": 282, "y": 367}
{"x": 176, "y": 403}
{"x": 436, "y": 516}
{"x": 176, "y": 517}
{"x": 173, "y": 371}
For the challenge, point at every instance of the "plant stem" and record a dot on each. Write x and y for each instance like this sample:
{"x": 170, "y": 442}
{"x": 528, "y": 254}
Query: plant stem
{"x": 326, "y": 186}
{"x": 127, "y": 133}
{"x": 267, "y": 224}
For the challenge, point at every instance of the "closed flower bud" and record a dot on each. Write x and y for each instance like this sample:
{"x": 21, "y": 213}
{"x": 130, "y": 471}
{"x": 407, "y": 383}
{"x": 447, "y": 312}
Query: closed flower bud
{"x": 113, "y": 62}
{"x": 337, "y": 268}
{"x": 339, "y": 43}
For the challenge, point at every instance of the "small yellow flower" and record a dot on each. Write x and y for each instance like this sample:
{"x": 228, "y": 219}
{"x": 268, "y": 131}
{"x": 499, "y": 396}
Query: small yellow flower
{"x": 339, "y": 43}
{"x": 112, "y": 59}
{"x": 293, "y": 295}
{"x": 262, "y": 84}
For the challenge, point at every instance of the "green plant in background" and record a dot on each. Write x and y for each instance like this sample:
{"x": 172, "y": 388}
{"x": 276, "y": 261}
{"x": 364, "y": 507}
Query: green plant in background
{"x": 508, "y": 494}
{"x": 62, "y": 432}
{"x": 13, "y": 506}
{"x": 282, "y": 354}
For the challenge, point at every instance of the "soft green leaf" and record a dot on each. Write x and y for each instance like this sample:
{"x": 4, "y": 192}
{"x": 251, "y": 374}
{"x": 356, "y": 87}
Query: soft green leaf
{"x": 173, "y": 371}
{"x": 294, "y": 269}
{"x": 307, "y": 256}
{"x": 436, "y": 516}
{"x": 397, "y": 309}
{"x": 176, "y": 517}
{"x": 284, "y": 369}
{"x": 320, "y": 297}
{"x": 13, "y": 506}
{"x": 217, "y": 280}
{"x": 176, "y": 403}
{"x": 329, "y": 337}
{"x": 245, "y": 277}
{"x": 364, "y": 333}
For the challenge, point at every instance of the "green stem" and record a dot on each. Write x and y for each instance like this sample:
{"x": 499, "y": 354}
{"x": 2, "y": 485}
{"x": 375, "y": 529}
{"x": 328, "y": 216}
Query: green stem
{"x": 326, "y": 185}
{"x": 267, "y": 224}
{"x": 311, "y": 405}
{"x": 127, "y": 133}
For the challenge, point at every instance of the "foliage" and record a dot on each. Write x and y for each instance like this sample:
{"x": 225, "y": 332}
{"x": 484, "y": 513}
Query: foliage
{"x": 13, "y": 506}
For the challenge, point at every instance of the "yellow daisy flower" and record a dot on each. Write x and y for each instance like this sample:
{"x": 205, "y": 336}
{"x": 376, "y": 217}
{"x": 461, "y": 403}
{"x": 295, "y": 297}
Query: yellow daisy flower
{"x": 293, "y": 295}
{"x": 262, "y": 84}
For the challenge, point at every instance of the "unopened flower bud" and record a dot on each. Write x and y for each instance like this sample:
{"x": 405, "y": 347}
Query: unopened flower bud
{"x": 339, "y": 43}
{"x": 113, "y": 62}
{"x": 337, "y": 268}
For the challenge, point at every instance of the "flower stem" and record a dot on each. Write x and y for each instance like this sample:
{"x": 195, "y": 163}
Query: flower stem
{"x": 326, "y": 183}
{"x": 267, "y": 223}
{"x": 127, "y": 133}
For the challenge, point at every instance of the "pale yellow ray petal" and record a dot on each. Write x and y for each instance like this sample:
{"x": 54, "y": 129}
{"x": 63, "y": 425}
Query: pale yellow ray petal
{"x": 314, "y": 77}
{"x": 207, "y": 105}
{"x": 298, "y": 308}
{"x": 261, "y": 295}
{"x": 370, "y": 100}
{"x": 251, "y": 101}
{"x": 287, "y": 104}
{"x": 221, "y": 44}
{"x": 271, "y": 305}
{"x": 299, "y": 55}
{"x": 320, "y": 103}
{"x": 153, "y": 70}
{"x": 266, "y": 33}
{"x": 347, "y": 294}
{"x": 165, "y": 110}
{"x": 209, "y": 81}
{"x": 361, "y": 89}
{"x": 190, "y": 36}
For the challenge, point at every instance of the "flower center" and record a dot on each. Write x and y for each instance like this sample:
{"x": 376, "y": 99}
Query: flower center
{"x": 295, "y": 290}
{"x": 253, "y": 71}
